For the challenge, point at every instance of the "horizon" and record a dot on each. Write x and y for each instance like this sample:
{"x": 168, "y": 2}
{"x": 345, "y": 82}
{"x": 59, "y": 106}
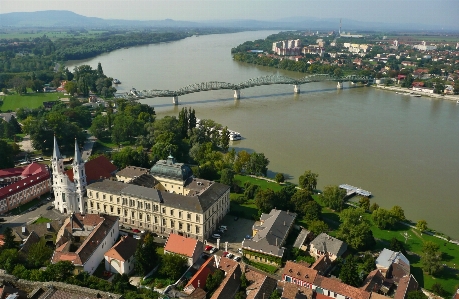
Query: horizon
{"x": 440, "y": 13}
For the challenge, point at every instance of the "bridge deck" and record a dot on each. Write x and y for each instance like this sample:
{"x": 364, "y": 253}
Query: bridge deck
{"x": 354, "y": 190}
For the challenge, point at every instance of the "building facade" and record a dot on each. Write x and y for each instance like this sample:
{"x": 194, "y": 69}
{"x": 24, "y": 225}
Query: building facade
{"x": 169, "y": 200}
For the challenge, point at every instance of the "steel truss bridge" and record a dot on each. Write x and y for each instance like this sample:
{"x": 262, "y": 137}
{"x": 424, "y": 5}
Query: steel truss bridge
{"x": 265, "y": 80}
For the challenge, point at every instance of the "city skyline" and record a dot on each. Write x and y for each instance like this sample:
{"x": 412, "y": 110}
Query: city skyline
{"x": 441, "y": 13}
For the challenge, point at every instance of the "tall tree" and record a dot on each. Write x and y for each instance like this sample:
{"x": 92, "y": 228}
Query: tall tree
{"x": 355, "y": 229}
{"x": 6, "y": 152}
{"x": 364, "y": 203}
{"x": 258, "y": 164}
{"x": 145, "y": 254}
{"x": 8, "y": 240}
{"x": 421, "y": 225}
{"x": 308, "y": 180}
{"x": 431, "y": 258}
{"x": 349, "y": 273}
{"x": 333, "y": 197}
{"x": 227, "y": 177}
{"x": 265, "y": 200}
{"x": 383, "y": 218}
{"x": 172, "y": 265}
{"x": 317, "y": 227}
{"x": 398, "y": 213}
{"x": 39, "y": 254}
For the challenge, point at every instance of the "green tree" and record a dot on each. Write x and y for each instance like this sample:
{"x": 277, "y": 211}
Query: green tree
{"x": 227, "y": 177}
{"x": 317, "y": 227}
{"x": 308, "y": 180}
{"x": 71, "y": 88}
{"x": 279, "y": 177}
{"x": 364, "y": 203}
{"x": 250, "y": 190}
{"x": 99, "y": 126}
{"x": 6, "y": 152}
{"x": 300, "y": 199}
{"x": 349, "y": 273}
{"x": 265, "y": 200}
{"x": 275, "y": 295}
{"x": 311, "y": 211}
{"x": 59, "y": 271}
{"x": 333, "y": 197}
{"x": 172, "y": 265}
{"x": 39, "y": 254}
{"x": 9, "y": 258}
{"x": 431, "y": 258}
{"x": 258, "y": 164}
{"x": 8, "y": 240}
{"x": 398, "y": 213}
{"x": 374, "y": 207}
{"x": 214, "y": 280}
{"x": 397, "y": 246}
{"x": 130, "y": 156}
{"x": 224, "y": 139}
{"x": 241, "y": 161}
{"x": 355, "y": 229}
{"x": 421, "y": 225}
{"x": 145, "y": 255}
{"x": 416, "y": 295}
{"x": 438, "y": 289}
{"x": 383, "y": 218}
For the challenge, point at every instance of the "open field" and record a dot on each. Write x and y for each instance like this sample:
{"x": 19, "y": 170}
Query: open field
{"x": 29, "y": 100}
{"x": 30, "y": 34}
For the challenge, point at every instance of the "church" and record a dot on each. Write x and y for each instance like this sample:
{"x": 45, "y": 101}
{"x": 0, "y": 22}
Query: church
{"x": 69, "y": 186}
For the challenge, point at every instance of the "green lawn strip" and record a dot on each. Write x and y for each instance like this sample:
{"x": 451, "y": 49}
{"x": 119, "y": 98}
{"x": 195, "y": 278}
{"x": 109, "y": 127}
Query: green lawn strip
{"x": 247, "y": 211}
{"x": 29, "y": 100}
{"x": 264, "y": 267}
{"x": 42, "y": 220}
{"x": 260, "y": 182}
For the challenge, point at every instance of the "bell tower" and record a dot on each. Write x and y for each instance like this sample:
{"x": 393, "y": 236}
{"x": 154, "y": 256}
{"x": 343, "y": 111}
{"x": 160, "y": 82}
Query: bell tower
{"x": 79, "y": 179}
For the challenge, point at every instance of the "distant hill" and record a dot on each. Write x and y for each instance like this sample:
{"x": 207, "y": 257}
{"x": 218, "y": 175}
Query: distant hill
{"x": 63, "y": 18}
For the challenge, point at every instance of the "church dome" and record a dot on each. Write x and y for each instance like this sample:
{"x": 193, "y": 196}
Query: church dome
{"x": 169, "y": 169}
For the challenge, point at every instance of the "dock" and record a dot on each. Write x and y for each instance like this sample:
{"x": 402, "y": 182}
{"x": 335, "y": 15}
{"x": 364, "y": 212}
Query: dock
{"x": 351, "y": 190}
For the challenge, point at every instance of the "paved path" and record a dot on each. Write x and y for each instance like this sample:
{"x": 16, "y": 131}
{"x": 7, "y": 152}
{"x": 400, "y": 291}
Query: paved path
{"x": 87, "y": 148}
{"x": 26, "y": 144}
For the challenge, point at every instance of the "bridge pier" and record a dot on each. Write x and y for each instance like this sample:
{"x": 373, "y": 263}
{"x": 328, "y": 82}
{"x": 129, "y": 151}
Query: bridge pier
{"x": 237, "y": 94}
{"x": 175, "y": 100}
{"x": 296, "y": 88}
{"x": 340, "y": 85}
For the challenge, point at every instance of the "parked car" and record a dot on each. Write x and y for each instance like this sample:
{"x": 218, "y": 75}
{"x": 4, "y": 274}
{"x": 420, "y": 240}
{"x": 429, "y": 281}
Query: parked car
{"x": 2, "y": 219}
{"x": 225, "y": 254}
{"x": 229, "y": 255}
{"x": 208, "y": 247}
{"x": 50, "y": 208}
{"x": 135, "y": 230}
{"x": 248, "y": 237}
{"x": 213, "y": 250}
{"x": 239, "y": 250}
{"x": 216, "y": 236}
{"x": 223, "y": 228}
{"x": 237, "y": 258}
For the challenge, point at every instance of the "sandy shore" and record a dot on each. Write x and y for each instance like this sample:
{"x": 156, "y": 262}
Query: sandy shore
{"x": 406, "y": 90}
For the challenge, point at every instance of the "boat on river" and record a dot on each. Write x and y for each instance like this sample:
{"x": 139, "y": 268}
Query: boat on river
{"x": 116, "y": 81}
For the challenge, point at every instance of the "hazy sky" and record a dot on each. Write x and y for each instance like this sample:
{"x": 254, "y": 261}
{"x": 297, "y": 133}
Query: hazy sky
{"x": 442, "y": 12}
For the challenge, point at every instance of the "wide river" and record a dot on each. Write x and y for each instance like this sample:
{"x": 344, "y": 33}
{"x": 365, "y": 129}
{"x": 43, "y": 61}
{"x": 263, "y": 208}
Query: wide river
{"x": 405, "y": 150}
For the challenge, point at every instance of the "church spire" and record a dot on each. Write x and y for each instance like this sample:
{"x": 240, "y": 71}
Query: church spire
{"x": 77, "y": 159}
{"x": 56, "y": 153}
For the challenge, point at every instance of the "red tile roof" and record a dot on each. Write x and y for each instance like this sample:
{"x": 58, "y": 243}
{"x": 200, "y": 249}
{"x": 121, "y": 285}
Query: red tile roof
{"x": 32, "y": 169}
{"x": 200, "y": 277}
{"x": 25, "y": 183}
{"x": 340, "y": 288}
{"x": 95, "y": 169}
{"x": 10, "y": 172}
{"x": 290, "y": 291}
{"x": 299, "y": 272}
{"x": 180, "y": 245}
{"x": 406, "y": 284}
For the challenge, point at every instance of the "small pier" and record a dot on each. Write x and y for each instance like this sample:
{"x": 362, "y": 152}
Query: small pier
{"x": 351, "y": 190}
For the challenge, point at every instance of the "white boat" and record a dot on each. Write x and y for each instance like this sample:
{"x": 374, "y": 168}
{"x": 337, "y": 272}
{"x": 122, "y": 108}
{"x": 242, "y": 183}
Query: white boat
{"x": 116, "y": 81}
{"x": 457, "y": 102}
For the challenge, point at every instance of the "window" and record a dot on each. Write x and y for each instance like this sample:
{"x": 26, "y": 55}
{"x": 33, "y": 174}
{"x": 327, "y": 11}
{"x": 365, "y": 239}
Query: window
{"x": 172, "y": 212}
{"x": 164, "y": 210}
{"x": 124, "y": 201}
{"x": 98, "y": 207}
{"x": 111, "y": 209}
{"x": 188, "y": 216}
{"x": 148, "y": 217}
{"x": 188, "y": 227}
{"x": 119, "y": 211}
{"x": 180, "y": 225}
{"x": 164, "y": 222}
{"x": 91, "y": 204}
{"x": 198, "y": 218}
{"x": 140, "y": 216}
{"x": 156, "y": 219}
{"x": 197, "y": 229}
{"x": 117, "y": 200}
{"x": 172, "y": 223}
{"x": 103, "y": 196}
{"x": 132, "y": 214}
{"x": 125, "y": 213}
{"x": 180, "y": 214}
{"x": 90, "y": 193}
{"x": 111, "y": 198}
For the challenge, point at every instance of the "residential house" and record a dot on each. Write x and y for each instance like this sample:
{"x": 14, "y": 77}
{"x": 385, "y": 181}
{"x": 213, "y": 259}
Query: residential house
{"x": 269, "y": 237}
{"x": 29, "y": 234}
{"x": 189, "y": 248}
{"x": 374, "y": 282}
{"x": 120, "y": 258}
{"x": 168, "y": 200}
{"x": 292, "y": 291}
{"x": 387, "y": 258}
{"x": 322, "y": 265}
{"x": 259, "y": 285}
{"x": 332, "y": 288}
{"x": 34, "y": 180}
{"x": 230, "y": 284}
{"x": 304, "y": 237}
{"x": 198, "y": 280}
{"x": 299, "y": 275}
{"x": 324, "y": 244}
{"x": 406, "y": 284}
{"x": 83, "y": 240}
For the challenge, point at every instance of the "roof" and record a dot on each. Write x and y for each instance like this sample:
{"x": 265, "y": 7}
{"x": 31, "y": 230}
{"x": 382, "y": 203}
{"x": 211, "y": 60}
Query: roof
{"x": 96, "y": 169}
{"x": 181, "y": 245}
{"x": 169, "y": 169}
{"x": 230, "y": 284}
{"x": 398, "y": 270}
{"x": 301, "y": 239}
{"x": 94, "y": 227}
{"x": 375, "y": 295}
{"x": 25, "y": 183}
{"x": 374, "y": 281}
{"x": 32, "y": 169}
{"x": 340, "y": 288}
{"x": 272, "y": 233}
{"x": 11, "y": 172}
{"x": 387, "y": 257}
{"x": 322, "y": 264}
{"x": 259, "y": 284}
{"x": 293, "y": 291}
{"x": 300, "y": 272}
{"x": 406, "y": 284}
{"x": 124, "y": 249}
{"x": 200, "y": 277}
{"x": 33, "y": 238}
{"x": 326, "y": 243}
{"x": 131, "y": 172}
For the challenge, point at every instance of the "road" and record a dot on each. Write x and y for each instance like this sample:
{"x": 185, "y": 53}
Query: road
{"x": 29, "y": 216}
{"x": 87, "y": 147}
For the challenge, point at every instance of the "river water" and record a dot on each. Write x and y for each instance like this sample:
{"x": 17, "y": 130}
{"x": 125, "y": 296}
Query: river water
{"x": 405, "y": 150}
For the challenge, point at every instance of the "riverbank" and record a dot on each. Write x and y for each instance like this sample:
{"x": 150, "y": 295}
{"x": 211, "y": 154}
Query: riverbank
{"x": 454, "y": 98}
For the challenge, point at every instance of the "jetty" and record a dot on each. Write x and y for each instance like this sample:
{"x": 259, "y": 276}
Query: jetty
{"x": 351, "y": 190}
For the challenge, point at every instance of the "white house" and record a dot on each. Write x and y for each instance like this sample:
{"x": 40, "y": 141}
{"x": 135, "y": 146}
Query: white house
{"x": 83, "y": 240}
{"x": 120, "y": 258}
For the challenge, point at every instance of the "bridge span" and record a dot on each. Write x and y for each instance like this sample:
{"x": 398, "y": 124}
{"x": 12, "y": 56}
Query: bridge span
{"x": 134, "y": 94}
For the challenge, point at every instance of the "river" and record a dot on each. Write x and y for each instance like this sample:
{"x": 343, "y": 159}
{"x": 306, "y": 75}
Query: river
{"x": 405, "y": 150}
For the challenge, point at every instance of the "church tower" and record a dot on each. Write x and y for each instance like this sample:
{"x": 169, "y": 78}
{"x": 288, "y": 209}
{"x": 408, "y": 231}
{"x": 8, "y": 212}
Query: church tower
{"x": 62, "y": 187}
{"x": 79, "y": 179}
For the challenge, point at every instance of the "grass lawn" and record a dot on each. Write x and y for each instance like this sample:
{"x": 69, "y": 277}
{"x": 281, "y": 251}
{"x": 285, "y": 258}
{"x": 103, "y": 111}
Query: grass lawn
{"x": 261, "y": 266}
{"x": 29, "y": 100}
{"x": 42, "y": 220}
{"x": 260, "y": 182}
{"x": 247, "y": 211}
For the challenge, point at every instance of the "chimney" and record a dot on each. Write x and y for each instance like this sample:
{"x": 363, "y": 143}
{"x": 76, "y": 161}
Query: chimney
{"x": 199, "y": 283}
